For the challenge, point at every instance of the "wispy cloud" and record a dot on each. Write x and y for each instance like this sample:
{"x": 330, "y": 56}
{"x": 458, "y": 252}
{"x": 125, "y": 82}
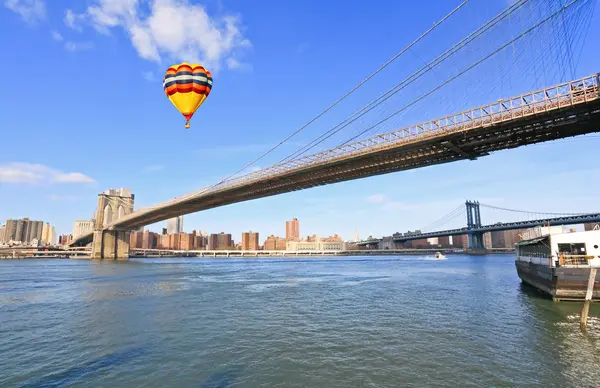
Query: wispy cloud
{"x": 377, "y": 198}
{"x": 70, "y": 45}
{"x": 154, "y": 168}
{"x": 149, "y": 76}
{"x": 31, "y": 11}
{"x": 57, "y": 197}
{"x": 173, "y": 29}
{"x": 57, "y": 36}
{"x": 18, "y": 172}
{"x": 78, "y": 46}
{"x": 234, "y": 64}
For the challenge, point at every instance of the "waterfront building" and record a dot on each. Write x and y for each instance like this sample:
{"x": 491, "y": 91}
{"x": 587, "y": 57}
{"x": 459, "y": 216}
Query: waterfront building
{"x": 2, "y": 234}
{"x": 444, "y": 242}
{"x": 213, "y": 241}
{"x": 23, "y": 230}
{"x": 164, "y": 241}
{"x": 48, "y": 234}
{"x": 273, "y": 243}
{"x": 292, "y": 229}
{"x": 249, "y": 241}
{"x": 175, "y": 225}
{"x": 65, "y": 239}
{"x": 487, "y": 240}
{"x": 385, "y": 243}
{"x": 460, "y": 241}
{"x": 82, "y": 227}
{"x": 135, "y": 240}
{"x": 224, "y": 241}
{"x": 318, "y": 245}
{"x": 186, "y": 242}
{"x": 591, "y": 226}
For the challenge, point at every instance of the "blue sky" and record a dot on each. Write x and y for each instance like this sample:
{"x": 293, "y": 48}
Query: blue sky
{"x": 87, "y": 112}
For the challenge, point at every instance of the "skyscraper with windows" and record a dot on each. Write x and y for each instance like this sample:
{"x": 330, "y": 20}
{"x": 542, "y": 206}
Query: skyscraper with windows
{"x": 175, "y": 225}
{"x": 292, "y": 229}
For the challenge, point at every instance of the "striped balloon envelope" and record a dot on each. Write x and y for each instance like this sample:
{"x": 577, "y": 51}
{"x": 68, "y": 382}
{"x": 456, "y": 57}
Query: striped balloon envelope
{"x": 187, "y": 86}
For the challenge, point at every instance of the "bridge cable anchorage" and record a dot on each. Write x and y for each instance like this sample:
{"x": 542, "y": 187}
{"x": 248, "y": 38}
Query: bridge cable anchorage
{"x": 462, "y": 4}
{"x": 467, "y": 69}
{"x": 406, "y": 82}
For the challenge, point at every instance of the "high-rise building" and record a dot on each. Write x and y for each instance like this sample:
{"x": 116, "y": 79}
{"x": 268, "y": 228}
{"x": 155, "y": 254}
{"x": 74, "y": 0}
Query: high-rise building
{"x": 487, "y": 240}
{"x": 498, "y": 239}
{"x": 2, "y": 234}
{"x": 444, "y": 242}
{"x": 175, "y": 225}
{"x": 292, "y": 229}
{"x": 65, "y": 239}
{"x": 48, "y": 234}
{"x": 273, "y": 243}
{"x": 460, "y": 241}
{"x": 33, "y": 230}
{"x": 250, "y": 241}
{"x": 81, "y": 227}
{"x": 23, "y": 230}
{"x": 224, "y": 241}
{"x": 213, "y": 241}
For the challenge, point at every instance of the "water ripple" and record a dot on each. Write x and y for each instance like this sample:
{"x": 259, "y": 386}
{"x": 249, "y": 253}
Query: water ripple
{"x": 327, "y": 322}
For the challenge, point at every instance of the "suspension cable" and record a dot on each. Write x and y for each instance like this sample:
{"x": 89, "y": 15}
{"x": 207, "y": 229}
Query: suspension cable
{"x": 530, "y": 212}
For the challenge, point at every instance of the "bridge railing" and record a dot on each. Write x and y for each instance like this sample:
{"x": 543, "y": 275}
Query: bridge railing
{"x": 555, "y": 97}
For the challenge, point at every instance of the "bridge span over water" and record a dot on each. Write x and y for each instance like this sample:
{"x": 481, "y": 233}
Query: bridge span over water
{"x": 475, "y": 229}
{"x": 560, "y": 111}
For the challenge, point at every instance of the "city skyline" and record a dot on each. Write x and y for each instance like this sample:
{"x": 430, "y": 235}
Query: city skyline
{"x": 63, "y": 186}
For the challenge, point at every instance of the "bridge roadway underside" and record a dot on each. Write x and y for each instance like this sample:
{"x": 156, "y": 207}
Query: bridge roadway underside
{"x": 444, "y": 148}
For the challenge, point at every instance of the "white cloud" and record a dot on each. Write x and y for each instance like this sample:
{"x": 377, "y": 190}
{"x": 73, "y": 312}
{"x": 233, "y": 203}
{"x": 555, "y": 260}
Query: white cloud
{"x": 72, "y": 20}
{"x": 18, "y": 172}
{"x": 57, "y": 36}
{"x": 149, "y": 76}
{"x": 173, "y": 30}
{"x": 30, "y": 10}
{"x": 377, "y": 198}
{"x": 234, "y": 64}
{"x": 78, "y": 46}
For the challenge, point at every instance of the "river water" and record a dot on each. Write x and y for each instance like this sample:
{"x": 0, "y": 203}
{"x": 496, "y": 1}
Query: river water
{"x": 329, "y": 322}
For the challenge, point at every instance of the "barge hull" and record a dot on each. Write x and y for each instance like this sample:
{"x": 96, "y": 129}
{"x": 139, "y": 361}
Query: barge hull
{"x": 561, "y": 283}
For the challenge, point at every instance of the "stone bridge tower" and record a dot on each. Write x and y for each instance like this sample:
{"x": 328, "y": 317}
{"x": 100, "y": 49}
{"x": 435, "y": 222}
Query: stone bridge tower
{"x": 113, "y": 205}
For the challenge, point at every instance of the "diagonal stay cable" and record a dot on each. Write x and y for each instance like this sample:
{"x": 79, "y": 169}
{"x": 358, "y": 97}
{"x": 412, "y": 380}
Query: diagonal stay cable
{"x": 406, "y": 82}
{"x": 449, "y": 80}
{"x": 423, "y": 35}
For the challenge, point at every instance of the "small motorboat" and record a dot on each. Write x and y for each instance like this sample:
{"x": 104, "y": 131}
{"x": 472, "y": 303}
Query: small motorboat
{"x": 439, "y": 256}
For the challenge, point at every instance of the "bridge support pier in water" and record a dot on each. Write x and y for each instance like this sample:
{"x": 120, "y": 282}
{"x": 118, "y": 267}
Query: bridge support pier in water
{"x": 110, "y": 245}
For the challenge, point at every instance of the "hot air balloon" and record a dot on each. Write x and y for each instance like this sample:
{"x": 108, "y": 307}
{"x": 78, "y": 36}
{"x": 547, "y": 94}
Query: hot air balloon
{"x": 187, "y": 86}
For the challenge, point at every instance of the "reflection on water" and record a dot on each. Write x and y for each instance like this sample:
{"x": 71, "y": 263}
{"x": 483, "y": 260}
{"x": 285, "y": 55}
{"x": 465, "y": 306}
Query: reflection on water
{"x": 326, "y": 322}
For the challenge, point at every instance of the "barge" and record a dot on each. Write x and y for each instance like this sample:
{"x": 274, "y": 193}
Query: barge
{"x": 559, "y": 264}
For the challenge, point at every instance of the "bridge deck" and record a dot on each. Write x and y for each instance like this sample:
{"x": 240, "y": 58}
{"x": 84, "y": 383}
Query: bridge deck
{"x": 564, "y": 110}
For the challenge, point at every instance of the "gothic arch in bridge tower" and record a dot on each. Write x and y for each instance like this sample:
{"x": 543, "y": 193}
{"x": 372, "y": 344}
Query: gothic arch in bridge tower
{"x": 120, "y": 212}
{"x": 108, "y": 214}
